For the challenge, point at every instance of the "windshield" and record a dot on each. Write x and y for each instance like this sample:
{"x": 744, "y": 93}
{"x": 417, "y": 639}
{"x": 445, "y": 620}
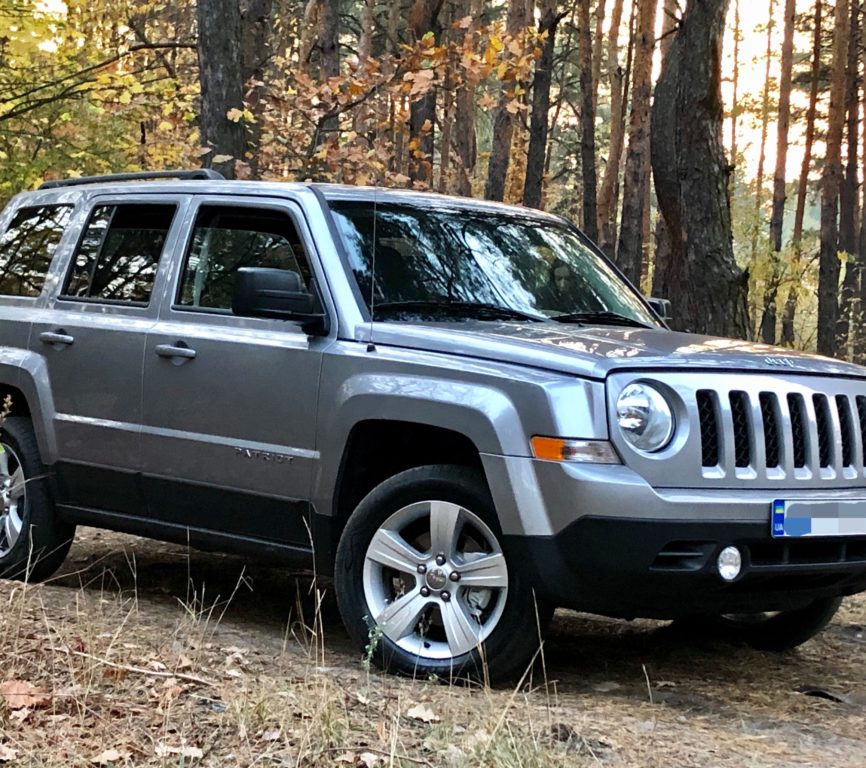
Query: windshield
{"x": 428, "y": 259}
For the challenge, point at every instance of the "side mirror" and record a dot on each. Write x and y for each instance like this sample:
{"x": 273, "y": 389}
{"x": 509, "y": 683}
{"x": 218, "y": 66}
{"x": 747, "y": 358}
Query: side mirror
{"x": 276, "y": 293}
{"x": 662, "y": 307}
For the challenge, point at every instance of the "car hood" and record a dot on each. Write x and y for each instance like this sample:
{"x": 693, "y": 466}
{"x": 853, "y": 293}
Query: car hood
{"x": 596, "y": 351}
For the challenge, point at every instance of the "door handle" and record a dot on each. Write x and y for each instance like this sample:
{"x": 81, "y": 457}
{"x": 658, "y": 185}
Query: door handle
{"x": 59, "y": 337}
{"x": 179, "y": 350}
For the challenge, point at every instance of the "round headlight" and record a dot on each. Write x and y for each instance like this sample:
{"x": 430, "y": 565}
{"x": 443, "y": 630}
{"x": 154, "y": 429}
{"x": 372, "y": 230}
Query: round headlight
{"x": 644, "y": 417}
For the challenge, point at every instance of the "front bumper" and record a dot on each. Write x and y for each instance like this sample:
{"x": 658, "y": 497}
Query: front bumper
{"x": 600, "y": 539}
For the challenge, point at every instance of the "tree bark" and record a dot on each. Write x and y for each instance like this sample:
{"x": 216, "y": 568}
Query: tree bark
{"x": 255, "y": 31}
{"x": 597, "y": 40}
{"x": 637, "y": 162}
{"x": 503, "y": 123}
{"x": 222, "y": 83}
{"x": 777, "y": 217}
{"x": 587, "y": 122}
{"x": 735, "y": 83}
{"x": 465, "y": 144}
{"x": 765, "y": 123}
{"x": 423, "y": 18}
{"x": 849, "y": 203}
{"x": 788, "y": 335}
{"x": 607, "y": 193}
{"x": 828, "y": 266}
{"x": 690, "y": 174}
{"x": 533, "y": 185}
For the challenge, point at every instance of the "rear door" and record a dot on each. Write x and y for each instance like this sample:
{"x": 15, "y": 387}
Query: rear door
{"x": 228, "y": 442}
{"x": 91, "y": 333}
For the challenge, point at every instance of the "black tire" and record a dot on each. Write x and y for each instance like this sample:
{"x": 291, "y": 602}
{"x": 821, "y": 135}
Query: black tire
{"x": 513, "y": 639}
{"x": 781, "y": 631}
{"x": 44, "y": 540}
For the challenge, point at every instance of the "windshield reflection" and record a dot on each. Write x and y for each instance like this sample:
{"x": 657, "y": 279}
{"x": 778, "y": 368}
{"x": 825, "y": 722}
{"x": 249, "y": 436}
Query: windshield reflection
{"x": 430, "y": 259}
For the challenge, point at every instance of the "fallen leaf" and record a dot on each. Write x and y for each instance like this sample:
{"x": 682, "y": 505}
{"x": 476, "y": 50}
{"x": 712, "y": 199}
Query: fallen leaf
{"x": 110, "y": 756}
{"x": 346, "y": 757}
{"x": 273, "y": 735}
{"x": 20, "y": 693}
{"x": 368, "y": 759}
{"x": 222, "y": 158}
{"x": 422, "y": 713}
{"x": 163, "y": 750}
{"x": 606, "y": 687}
{"x": 20, "y": 715}
{"x": 7, "y": 754}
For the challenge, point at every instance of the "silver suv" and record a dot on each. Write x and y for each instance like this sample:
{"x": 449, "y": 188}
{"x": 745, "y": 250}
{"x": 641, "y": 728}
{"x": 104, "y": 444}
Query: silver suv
{"x": 459, "y": 410}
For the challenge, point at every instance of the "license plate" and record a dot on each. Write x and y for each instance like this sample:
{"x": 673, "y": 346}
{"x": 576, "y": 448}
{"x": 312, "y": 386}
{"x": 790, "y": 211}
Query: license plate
{"x": 818, "y": 518}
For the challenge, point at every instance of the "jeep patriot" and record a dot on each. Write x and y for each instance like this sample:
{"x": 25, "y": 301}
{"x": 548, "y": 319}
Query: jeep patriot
{"x": 458, "y": 410}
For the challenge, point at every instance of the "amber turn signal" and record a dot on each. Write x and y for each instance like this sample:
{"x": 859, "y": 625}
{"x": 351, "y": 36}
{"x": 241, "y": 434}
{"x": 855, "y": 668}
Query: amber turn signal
{"x": 561, "y": 449}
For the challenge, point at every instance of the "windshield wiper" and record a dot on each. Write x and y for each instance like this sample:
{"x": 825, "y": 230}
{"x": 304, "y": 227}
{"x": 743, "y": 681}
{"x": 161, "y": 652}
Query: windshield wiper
{"x": 479, "y": 310}
{"x": 601, "y": 317}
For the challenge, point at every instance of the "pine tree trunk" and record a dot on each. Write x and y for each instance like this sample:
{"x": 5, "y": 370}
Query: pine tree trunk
{"x": 587, "y": 123}
{"x": 255, "y": 31}
{"x": 768, "y": 318}
{"x": 735, "y": 83}
{"x": 788, "y": 335}
{"x": 828, "y": 267}
{"x": 637, "y": 162}
{"x": 222, "y": 83}
{"x": 597, "y": 45}
{"x": 848, "y": 195}
{"x": 423, "y": 18}
{"x": 765, "y": 123}
{"x": 503, "y": 123}
{"x": 690, "y": 172}
{"x": 610, "y": 179}
{"x": 533, "y": 185}
{"x": 464, "y": 118}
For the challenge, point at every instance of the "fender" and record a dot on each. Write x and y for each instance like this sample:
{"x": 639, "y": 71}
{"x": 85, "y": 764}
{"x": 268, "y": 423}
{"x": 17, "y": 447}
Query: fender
{"x": 28, "y": 373}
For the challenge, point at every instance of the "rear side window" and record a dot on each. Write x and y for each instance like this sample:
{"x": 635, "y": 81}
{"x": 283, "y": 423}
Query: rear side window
{"x": 119, "y": 252}
{"x": 226, "y": 239}
{"x": 27, "y": 247}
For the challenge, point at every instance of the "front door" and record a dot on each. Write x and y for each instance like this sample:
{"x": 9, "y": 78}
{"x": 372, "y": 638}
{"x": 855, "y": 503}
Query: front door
{"x": 228, "y": 442}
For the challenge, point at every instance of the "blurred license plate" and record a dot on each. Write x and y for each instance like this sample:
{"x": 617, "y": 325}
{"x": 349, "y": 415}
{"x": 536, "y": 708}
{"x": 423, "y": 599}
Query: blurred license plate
{"x": 819, "y": 518}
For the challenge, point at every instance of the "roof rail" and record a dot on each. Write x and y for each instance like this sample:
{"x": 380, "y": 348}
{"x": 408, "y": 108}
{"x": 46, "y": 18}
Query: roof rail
{"x": 201, "y": 173}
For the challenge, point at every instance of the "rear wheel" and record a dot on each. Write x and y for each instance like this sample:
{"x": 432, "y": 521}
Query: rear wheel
{"x": 33, "y": 541}
{"x": 423, "y": 582}
{"x": 771, "y": 631}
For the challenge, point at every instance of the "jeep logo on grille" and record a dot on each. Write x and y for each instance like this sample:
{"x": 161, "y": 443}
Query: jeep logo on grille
{"x": 781, "y": 362}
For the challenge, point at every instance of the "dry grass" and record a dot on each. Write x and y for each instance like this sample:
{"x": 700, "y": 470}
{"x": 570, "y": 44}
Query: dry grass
{"x": 144, "y": 654}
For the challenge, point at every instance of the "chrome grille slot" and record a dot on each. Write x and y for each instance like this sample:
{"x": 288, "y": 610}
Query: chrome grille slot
{"x": 708, "y": 415}
{"x": 799, "y": 434}
{"x": 770, "y": 418}
{"x": 825, "y": 435}
{"x": 846, "y": 429}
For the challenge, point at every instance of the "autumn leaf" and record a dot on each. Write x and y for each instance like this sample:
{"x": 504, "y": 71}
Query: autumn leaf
{"x": 20, "y": 693}
{"x": 7, "y": 754}
{"x": 235, "y": 114}
{"x": 423, "y": 713}
{"x": 110, "y": 756}
{"x": 222, "y": 158}
{"x": 163, "y": 750}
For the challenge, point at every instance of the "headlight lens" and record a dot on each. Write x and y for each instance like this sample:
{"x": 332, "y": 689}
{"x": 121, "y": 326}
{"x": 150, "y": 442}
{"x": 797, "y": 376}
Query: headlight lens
{"x": 644, "y": 417}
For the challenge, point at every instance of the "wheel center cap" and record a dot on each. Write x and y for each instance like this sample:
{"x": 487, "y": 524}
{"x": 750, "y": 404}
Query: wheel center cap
{"x": 436, "y": 579}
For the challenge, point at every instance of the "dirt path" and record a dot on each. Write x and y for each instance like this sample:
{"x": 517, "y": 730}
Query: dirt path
{"x": 145, "y": 653}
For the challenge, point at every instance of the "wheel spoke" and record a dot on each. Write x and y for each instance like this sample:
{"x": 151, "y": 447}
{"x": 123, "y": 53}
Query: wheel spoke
{"x": 388, "y": 548}
{"x": 486, "y": 571}
{"x": 401, "y": 616}
{"x": 443, "y": 527}
{"x": 4, "y": 461}
{"x": 11, "y": 527}
{"x": 16, "y": 489}
{"x": 460, "y": 629}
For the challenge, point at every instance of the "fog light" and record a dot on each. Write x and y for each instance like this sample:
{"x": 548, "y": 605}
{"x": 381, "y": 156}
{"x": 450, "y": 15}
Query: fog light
{"x": 730, "y": 563}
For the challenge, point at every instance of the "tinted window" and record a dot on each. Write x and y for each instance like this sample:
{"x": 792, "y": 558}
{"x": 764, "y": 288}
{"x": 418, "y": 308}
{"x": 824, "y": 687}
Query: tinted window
{"x": 27, "y": 247}
{"x": 226, "y": 239}
{"x": 451, "y": 256}
{"x": 119, "y": 252}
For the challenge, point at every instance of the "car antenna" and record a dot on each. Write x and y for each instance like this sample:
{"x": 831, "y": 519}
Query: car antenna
{"x": 371, "y": 346}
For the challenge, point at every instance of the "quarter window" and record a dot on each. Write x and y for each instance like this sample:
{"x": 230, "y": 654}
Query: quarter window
{"x": 27, "y": 247}
{"x": 119, "y": 253}
{"x": 226, "y": 239}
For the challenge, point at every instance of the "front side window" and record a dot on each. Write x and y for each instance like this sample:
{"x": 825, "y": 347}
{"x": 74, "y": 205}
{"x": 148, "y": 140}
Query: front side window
{"x": 27, "y": 247}
{"x": 433, "y": 259}
{"x": 226, "y": 239}
{"x": 119, "y": 253}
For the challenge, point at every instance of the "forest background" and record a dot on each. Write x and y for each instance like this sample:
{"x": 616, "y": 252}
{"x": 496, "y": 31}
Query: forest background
{"x": 715, "y": 150}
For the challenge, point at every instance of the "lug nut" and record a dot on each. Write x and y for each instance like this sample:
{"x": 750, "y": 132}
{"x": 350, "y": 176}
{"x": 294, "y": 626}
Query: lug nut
{"x": 440, "y": 559}
{"x": 422, "y": 569}
{"x": 446, "y": 596}
{"x": 425, "y": 592}
{"x": 455, "y": 576}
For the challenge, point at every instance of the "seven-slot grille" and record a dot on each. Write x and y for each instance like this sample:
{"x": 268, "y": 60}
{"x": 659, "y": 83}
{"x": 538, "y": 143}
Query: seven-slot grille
{"x": 795, "y": 434}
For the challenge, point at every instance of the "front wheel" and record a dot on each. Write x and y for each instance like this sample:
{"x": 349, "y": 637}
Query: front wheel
{"x": 424, "y": 585}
